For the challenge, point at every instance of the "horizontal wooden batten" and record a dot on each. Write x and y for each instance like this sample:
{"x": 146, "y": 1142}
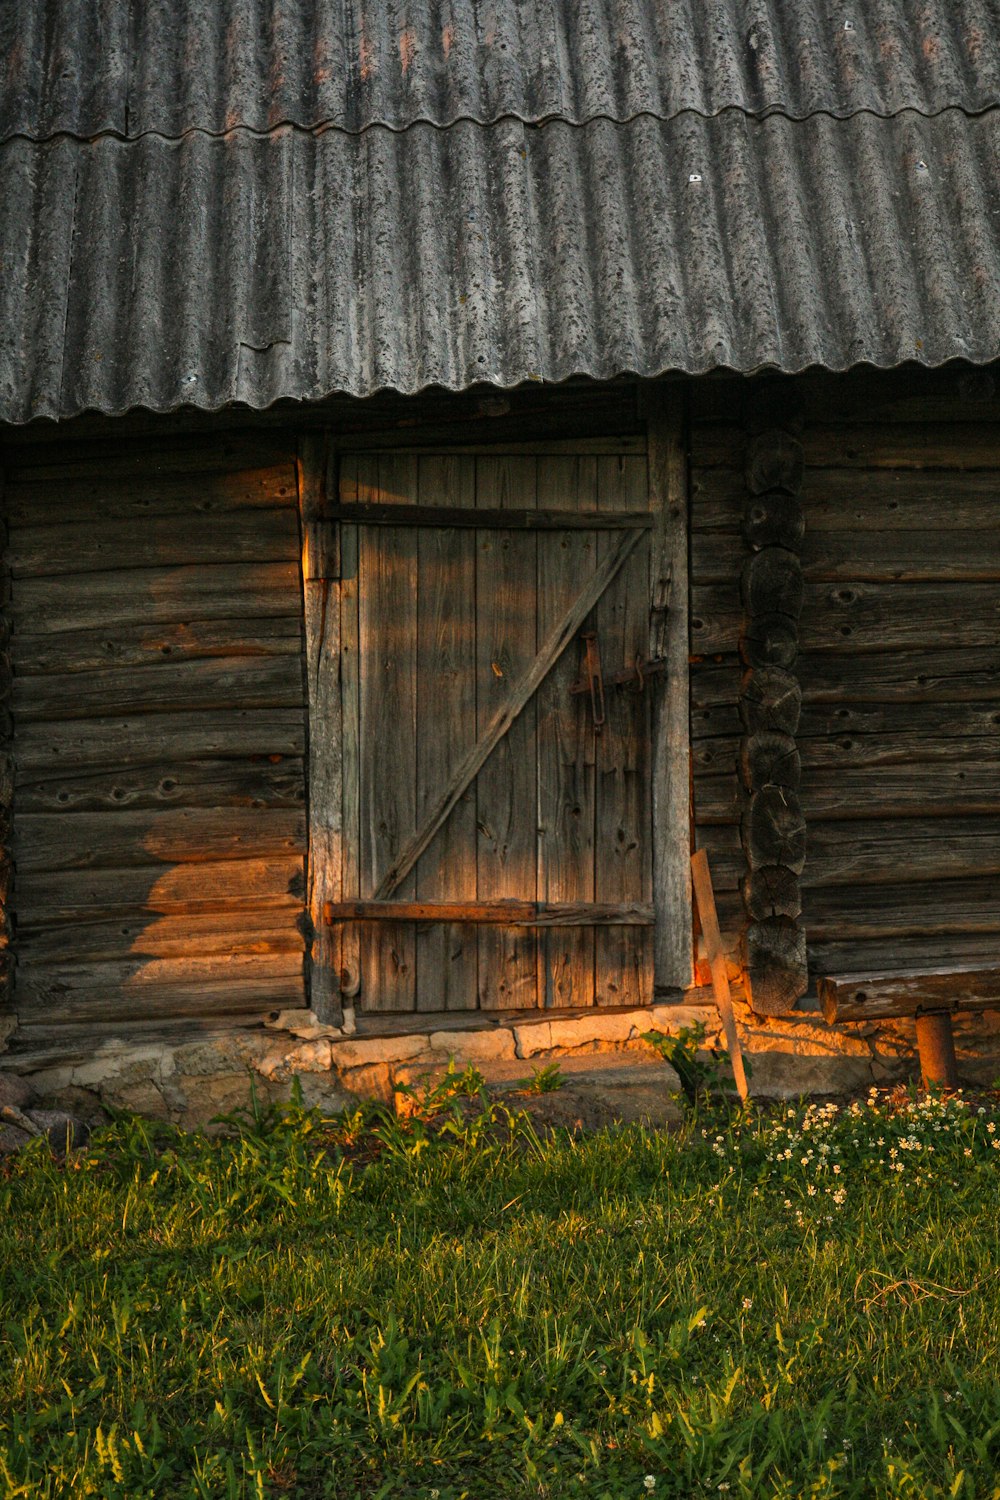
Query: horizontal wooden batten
{"x": 489, "y": 520}
{"x": 502, "y": 913}
{"x": 864, "y": 997}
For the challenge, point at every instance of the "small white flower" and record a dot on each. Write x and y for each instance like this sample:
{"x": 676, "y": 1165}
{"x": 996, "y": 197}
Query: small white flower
{"x": 747, "y": 1303}
{"x": 649, "y": 1483}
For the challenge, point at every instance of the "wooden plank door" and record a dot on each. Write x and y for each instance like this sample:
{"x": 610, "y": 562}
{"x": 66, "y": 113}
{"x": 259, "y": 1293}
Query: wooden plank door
{"x": 440, "y": 623}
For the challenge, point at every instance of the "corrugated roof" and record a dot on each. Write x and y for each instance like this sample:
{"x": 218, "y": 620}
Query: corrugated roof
{"x": 669, "y": 213}
{"x": 169, "y": 66}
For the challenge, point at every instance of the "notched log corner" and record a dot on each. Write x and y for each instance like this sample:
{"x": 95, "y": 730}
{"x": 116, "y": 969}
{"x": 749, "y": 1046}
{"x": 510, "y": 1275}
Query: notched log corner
{"x": 775, "y": 962}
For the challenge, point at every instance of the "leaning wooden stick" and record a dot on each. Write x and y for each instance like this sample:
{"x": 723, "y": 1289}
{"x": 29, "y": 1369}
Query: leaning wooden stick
{"x": 702, "y": 880}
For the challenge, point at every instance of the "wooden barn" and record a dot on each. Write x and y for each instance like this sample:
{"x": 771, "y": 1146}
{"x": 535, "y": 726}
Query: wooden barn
{"x": 457, "y": 459}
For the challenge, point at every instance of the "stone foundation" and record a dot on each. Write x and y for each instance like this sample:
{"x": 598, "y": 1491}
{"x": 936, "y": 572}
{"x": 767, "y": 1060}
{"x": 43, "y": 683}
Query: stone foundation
{"x": 600, "y": 1053}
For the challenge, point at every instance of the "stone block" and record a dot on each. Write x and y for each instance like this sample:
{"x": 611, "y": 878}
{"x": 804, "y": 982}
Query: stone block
{"x": 64, "y": 1132}
{"x": 495, "y": 1044}
{"x": 361, "y": 1052}
{"x": 12, "y": 1139}
{"x": 787, "y": 1075}
{"x": 16, "y": 1091}
{"x": 594, "y": 1028}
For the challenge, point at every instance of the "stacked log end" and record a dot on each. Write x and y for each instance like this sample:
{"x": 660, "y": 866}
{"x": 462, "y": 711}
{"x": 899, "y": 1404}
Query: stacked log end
{"x": 772, "y": 824}
{"x": 6, "y": 784}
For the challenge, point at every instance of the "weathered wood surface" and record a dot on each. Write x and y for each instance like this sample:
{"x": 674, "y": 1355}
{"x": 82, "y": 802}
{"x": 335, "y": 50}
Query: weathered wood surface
{"x": 879, "y": 446}
{"x": 135, "y": 596}
{"x": 484, "y": 519}
{"x": 774, "y": 460}
{"x": 935, "y": 789}
{"x": 862, "y": 616}
{"x": 860, "y": 396}
{"x": 387, "y": 636}
{"x": 356, "y": 477}
{"x": 447, "y": 959}
{"x": 160, "y": 728}
{"x": 154, "y": 739}
{"x": 853, "y": 501}
{"x": 508, "y": 911}
{"x": 566, "y": 743}
{"x": 248, "y": 886}
{"x": 702, "y": 883}
{"x": 251, "y": 781}
{"x": 670, "y": 729}
{"x": 769, "y": 758}
{"x": 623, "y": 872}
{"x": 776, "y": 965}
{"x": 217, "y": 683}
{"x": 321, "y": 614}
{"x": 845, "y": 555}
{"x": 862, "y": 997}
{"x": 90, "y": 500}
{"x": 772, "y": 519}
{"x": 144, "y": 541}
{"x": 967, "y": 904}
{"x": 86, "y": 840}
{"x": 141, "y": 645}
{"x": 507, "y": 785}
{"x": 772, "y": 891}
{"x": 892, "y": 952}
{"x": 148, "y": 455}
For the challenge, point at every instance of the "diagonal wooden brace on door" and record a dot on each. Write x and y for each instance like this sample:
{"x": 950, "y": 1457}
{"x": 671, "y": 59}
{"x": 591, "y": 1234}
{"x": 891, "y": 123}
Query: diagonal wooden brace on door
{"x": 469, "y": 767}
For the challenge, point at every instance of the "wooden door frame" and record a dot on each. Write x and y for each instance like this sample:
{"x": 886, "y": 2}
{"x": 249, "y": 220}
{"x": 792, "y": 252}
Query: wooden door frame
{"x": 663, "y": 409}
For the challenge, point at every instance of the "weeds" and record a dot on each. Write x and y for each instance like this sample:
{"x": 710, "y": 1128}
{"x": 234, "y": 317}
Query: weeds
{"x": 793, "y": 1304}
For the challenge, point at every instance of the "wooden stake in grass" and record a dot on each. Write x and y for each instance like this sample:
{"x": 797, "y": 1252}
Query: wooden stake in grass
{"x": 705, "y": 897}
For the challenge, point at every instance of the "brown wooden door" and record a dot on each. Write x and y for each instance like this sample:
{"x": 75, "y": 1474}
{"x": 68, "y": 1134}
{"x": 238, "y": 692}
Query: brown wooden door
{"x": 439, "y": 623}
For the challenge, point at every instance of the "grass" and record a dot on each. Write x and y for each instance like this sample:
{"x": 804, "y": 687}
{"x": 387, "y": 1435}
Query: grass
{"x": 800, "y": 1304}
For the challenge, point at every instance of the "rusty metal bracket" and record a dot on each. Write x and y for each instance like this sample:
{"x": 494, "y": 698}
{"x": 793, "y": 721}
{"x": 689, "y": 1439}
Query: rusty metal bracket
{"x": 593, "y": 677}
{"x": 641, "y": 669}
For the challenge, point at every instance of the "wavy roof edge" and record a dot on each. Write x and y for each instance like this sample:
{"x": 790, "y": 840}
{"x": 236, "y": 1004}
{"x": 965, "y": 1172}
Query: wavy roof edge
{"x": 134, "y": 67}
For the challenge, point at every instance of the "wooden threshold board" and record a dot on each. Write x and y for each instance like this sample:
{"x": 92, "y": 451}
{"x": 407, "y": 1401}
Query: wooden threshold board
{"x": 499, "y": 913}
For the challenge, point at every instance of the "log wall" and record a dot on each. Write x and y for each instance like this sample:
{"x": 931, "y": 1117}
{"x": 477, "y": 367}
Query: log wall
{"x": 898, "y": 661}
{"x": 159, "y": 728}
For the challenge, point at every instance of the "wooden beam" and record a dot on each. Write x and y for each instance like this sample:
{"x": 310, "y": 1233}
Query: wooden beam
{"x": 668, "y": 639}
{"x": 874, "y": 997}
{"x": 501, "y": 913}
{"x": 376, "y": 514}
{"x": 465, "y": 772}
{"x": 717, "y": 958}
{"x": 321, "y": 603}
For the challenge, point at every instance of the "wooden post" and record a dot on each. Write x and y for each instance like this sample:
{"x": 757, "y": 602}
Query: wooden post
{"x": 321, "y": 604}
{"x": 673, "y": 955}
{"x": 717, "y": 959}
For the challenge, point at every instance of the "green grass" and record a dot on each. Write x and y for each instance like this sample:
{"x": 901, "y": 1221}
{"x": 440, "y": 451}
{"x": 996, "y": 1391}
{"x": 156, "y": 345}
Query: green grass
{"x": 381, "y": 1309}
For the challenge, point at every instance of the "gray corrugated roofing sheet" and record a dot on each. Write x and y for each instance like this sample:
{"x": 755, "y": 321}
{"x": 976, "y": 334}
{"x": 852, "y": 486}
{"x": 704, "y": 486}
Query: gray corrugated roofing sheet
{"x": 253, "y": 267}
{"x": 217, "y": 200}
{"x": 169, "y": 66}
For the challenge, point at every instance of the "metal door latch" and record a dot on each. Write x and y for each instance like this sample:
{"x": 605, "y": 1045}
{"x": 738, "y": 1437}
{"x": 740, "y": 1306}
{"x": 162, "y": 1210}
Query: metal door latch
{"x": 592, "y": 679}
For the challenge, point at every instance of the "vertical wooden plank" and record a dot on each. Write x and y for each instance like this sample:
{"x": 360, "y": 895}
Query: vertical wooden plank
{"x": 446, "y": 956}
{"x": 506, "y": 788}
{"x": 623, "y": 966}
{"x": 354, "y": 474}
{"x": 565, "y": 740}
{"x": 387, "y": 597}
{"x": 321, "y": 604}
{"x": 671, "y": 739}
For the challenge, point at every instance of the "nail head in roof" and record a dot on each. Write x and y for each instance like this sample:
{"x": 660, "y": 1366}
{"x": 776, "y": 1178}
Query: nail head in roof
{"x": 923, "y": 168}
{"x": 694, "y": 177}
{"x": 849, "y": 26}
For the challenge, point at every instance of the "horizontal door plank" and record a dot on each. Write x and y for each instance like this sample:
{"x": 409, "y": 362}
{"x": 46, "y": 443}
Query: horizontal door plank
{"x": 935, "y": 789}
{"x": 146, "y": 935}
{"x": 75, "y": 1002}
{"x": 927, "y": 950}
{"x": 222, "y": 591}
{"x": 82, "y": 841}
{"x": 75, "y": 745}
{"x": 503, "y": 913}
{"x": 82, "y": 547}
{"x": 861, "y": 616}
{"x": 165, "y": 686}
{"x": 145, "y": 459}
{"x": 248, "y": 886}
{"x": 940, "y": 906}
{"x": 860, "y": 501}
{"x": 264, "y": 781}
{"x": 143, "y": 644}
{"x": 97, "y": 497}
{"x": 448, "y": 516}
{"x": 877, "y": 556}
